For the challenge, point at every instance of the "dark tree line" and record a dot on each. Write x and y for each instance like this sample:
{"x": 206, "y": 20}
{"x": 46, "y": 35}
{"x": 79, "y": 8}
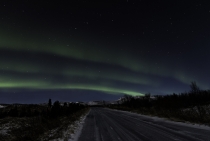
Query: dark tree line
{"x": 195, "y": 97}
{"x": 32, "y": 110}
{"x": 193, "y": 105}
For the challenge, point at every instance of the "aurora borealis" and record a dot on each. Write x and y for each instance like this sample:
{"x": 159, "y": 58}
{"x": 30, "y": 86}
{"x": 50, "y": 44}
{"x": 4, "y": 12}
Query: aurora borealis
{"x": 91, "y": 50}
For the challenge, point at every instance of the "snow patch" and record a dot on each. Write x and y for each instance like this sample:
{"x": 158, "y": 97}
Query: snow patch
{"x": 73, "y": 131}
{"x": 79, "y": 126}
{"x": 1, "y": 106}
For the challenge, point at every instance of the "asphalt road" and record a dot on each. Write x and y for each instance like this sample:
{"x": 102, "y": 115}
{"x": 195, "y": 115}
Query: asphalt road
{"x": 111, "y": 125}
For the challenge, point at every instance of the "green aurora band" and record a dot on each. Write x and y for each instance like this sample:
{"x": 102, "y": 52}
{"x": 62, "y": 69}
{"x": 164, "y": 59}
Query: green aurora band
{"x": 72, "y": 49}
{"x": 47, "y": 85}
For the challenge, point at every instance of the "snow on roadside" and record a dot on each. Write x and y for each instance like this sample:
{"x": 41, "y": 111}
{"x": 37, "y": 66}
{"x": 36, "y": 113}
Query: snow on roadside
{"x": 155, "y": 118}
{"x": 79, "y": 126}
{"x": 73, "y": 131}
{"x": 4, "y": 129}
{"x": 1, "y": 106}
{"x": 7, "y": 127}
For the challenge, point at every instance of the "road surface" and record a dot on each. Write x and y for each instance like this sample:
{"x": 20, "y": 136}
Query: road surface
{"x": 111, "y": 125}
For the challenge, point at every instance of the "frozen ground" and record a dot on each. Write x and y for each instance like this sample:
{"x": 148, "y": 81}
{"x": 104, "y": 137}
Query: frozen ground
{"x": 78, "y": 128}
{"x": 112, "y": 125}
{"x": 1, "y": 106}
{"x": 73, "y": 131}
{"x": 155, "y": 118}
{"x": 69, "y": 132}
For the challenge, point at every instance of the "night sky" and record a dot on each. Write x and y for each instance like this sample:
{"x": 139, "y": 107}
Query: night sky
{"x": 84, "y": 50}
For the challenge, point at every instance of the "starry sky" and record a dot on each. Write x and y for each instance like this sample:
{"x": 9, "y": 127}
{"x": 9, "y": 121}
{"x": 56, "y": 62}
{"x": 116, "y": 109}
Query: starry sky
{"x": 84, "y": 50}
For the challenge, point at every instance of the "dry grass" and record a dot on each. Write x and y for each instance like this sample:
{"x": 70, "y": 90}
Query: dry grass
{"x": 36, "y": 128}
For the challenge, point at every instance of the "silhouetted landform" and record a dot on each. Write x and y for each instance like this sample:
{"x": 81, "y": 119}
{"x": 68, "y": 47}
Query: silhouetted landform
{"x": 193, "y": 106}
{"x": 38, "y": 121}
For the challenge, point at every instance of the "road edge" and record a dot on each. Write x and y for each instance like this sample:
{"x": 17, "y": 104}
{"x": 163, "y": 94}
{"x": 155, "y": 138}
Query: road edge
{"x": 79, "y": 128}
{"x": 155, "y": 118}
